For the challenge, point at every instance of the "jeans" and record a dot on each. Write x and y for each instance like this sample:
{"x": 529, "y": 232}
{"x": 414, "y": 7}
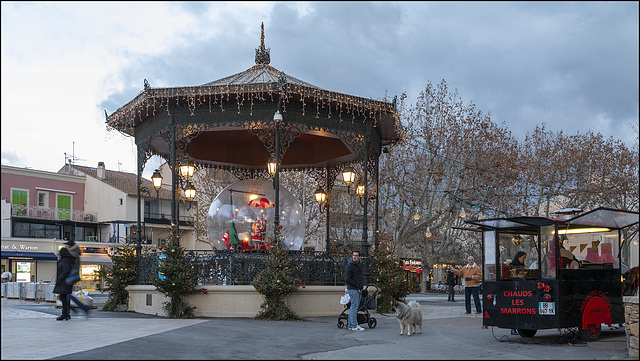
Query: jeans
{"x": 354, "y": 296}
{"x": 468, "y": 291}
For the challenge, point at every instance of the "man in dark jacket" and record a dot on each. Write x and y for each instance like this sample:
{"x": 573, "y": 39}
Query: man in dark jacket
{"x": 451, "y": 282}
{"x": 355, "y": 282}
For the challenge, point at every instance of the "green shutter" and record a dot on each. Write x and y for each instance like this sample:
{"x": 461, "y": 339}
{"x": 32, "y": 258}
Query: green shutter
{"x": 64, "y": 207}
{"x": 19, "y": 202}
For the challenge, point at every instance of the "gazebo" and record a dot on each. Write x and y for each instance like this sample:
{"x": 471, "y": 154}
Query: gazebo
{"x": 244, "y": 121}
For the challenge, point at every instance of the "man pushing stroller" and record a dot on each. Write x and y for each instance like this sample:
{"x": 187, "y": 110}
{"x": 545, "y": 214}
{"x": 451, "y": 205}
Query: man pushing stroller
{"x": 353, "y": 277}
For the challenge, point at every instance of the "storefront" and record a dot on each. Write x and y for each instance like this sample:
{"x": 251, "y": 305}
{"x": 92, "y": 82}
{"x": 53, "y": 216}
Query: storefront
{"x": 35, "y": 260}
{"x": 29, "y": 260}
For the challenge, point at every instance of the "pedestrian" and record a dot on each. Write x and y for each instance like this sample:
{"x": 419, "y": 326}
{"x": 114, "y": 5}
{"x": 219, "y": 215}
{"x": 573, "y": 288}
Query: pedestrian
{"x": 451, "y": 282}
{"x": 353, "y": 277}
{"x": 472, "y": 275}
{"x": 65, "y": 265}
{"x": 69, "y": 260}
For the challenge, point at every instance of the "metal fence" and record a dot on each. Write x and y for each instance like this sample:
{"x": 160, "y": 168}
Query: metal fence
{"x": 240, "y": 268}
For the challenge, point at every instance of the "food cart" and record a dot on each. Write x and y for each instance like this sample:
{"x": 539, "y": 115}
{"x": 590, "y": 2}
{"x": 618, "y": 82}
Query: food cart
{"x": 571, "y": 277}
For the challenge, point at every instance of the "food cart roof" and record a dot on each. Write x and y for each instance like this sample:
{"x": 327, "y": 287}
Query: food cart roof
{"x": 606, "y": 217}
{"x": 599, "y": 217}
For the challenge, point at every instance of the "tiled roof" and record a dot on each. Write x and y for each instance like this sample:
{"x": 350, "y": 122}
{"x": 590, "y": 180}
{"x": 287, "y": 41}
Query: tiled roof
{"x": 259, "y": 73}
{"x": 126, "y": 182}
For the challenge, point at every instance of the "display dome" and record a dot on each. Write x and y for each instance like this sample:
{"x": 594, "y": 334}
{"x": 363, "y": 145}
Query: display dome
{"x": 242, "y": 216}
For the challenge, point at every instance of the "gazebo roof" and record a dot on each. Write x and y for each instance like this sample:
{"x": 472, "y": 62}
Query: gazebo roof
{"x": 226, "y": 122}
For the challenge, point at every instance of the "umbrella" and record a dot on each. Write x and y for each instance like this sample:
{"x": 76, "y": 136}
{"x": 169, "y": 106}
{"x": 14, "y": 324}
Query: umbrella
{"x": 260, "y": 202}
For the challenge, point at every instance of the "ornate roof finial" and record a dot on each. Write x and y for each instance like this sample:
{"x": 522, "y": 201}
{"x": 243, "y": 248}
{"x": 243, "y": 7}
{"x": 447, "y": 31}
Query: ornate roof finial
{"x": 262, "y": 54}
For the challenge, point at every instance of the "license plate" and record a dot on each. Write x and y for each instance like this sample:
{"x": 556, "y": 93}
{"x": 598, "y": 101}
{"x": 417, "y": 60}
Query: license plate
{"x": 547, "y": 308}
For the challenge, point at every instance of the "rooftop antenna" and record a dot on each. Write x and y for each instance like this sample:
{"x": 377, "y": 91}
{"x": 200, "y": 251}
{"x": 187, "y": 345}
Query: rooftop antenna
{"x": 72, "y": 159}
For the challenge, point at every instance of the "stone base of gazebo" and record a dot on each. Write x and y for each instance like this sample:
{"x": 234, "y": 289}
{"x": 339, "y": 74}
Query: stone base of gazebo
{"x": 631, "y": 324}
{"x": 240, "y": 301}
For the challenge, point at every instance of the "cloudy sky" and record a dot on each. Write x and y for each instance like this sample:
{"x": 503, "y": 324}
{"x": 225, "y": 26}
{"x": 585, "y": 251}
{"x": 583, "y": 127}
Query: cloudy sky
{"x": 570, "y": 66}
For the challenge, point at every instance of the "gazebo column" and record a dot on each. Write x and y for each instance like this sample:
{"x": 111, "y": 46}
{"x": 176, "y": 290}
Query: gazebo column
{"x": 328, "y": 192}
{"x": 174, "y": 203}
{"x": 365, "y": 196}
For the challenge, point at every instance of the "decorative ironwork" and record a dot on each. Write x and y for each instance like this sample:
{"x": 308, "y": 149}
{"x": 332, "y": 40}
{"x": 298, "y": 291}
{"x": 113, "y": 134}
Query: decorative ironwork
{"x": 240, "y": 268}
{"x": 242, "y": 173}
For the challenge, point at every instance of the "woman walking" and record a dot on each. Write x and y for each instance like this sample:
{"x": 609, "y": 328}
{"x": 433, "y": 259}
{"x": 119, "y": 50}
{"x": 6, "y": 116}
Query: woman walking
{"x": 66, "y": 264}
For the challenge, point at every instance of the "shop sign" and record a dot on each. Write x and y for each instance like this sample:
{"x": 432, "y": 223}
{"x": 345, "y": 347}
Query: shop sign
{"x": 412, "y": 262}
{"x": 19, "y": 247}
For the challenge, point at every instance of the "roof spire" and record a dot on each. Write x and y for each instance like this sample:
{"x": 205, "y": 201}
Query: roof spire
{"x": 262, "y": 54}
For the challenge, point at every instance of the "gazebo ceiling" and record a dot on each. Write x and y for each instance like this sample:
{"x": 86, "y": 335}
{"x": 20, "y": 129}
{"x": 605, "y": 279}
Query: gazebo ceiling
{"x": 229, "y": 122}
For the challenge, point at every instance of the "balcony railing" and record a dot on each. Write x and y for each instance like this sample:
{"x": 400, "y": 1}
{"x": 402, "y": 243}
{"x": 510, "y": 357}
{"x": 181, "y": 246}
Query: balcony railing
{"x": 21, "y": 210}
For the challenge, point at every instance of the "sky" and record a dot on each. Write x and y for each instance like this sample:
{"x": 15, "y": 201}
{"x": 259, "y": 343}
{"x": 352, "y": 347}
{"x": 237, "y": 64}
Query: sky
{"x": 570, "y": 66}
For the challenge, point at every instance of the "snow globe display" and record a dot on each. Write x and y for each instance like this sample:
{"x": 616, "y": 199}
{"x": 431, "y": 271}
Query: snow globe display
{"x": 242, "y": 217}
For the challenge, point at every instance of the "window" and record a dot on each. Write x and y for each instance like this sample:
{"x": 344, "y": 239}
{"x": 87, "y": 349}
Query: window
{"x": 35, "y": 230}
{"x": 121, "y": 202}
{"x": 19, "y": 202}
{"x": 43, "y": 199}
{"x": 64, "y": 206}
{"x": 79, "y": 234}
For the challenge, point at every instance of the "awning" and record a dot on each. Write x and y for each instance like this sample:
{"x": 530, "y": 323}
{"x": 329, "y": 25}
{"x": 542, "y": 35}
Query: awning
{"x": 42, "y": 256}
{"x": 95, "y": 258}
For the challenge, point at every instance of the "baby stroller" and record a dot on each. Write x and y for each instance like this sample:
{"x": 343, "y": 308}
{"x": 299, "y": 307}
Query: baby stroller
{"x": 367, "y": 302}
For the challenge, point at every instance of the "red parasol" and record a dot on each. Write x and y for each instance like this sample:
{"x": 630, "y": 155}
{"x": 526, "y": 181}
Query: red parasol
{"x": 260, "y": 202}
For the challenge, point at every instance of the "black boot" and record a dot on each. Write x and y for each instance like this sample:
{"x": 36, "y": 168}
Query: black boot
{"x": 63, "y": 317}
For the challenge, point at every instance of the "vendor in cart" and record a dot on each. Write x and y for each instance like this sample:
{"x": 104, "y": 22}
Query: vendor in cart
{"x": 567, "y": 258}
{"x": 519, "y": 259}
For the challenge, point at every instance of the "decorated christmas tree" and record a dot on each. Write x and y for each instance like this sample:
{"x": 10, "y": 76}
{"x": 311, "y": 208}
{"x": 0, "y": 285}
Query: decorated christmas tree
{"x": 122, "y": 273}
{"x": 275, "y": 282}
{"x": 388, "y": 275}
{"x": 176, "y": 279}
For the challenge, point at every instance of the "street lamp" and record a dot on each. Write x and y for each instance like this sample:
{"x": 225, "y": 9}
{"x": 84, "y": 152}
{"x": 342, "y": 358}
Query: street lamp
{"x": 321, "y": 198}
{"x": 187, "y": 168}
{"x": 349, "y": 176}
{"x": 272, "y": 166}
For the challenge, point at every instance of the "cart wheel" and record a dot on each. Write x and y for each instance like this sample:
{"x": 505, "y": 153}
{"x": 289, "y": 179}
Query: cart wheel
{"x": 527, "y": 333}
{"x": 372, "y": 322}
{"x": 340, "y": 324}
{"x": 591, "y": 333}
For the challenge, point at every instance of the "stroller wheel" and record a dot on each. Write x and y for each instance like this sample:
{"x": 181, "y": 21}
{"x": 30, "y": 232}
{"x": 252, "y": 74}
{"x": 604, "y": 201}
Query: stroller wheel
{"x": 340, "y": 324}
{"x": 372, "y": 322}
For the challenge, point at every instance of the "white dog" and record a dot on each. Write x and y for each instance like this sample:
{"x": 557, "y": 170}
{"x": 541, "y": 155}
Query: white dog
{"x": 409, "y": 315}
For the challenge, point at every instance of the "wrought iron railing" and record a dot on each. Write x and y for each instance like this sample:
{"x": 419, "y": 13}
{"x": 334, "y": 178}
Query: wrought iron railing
{"x": 240, "y": 268}
{"x": 22, "y": 210}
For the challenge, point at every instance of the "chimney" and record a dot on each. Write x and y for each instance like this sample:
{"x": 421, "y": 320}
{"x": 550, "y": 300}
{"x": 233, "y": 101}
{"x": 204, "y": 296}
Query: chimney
{"x": 100, "y": 173}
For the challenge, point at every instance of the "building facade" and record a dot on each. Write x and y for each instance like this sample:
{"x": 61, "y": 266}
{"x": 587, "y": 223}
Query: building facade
{"x": 95, "y": 207}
